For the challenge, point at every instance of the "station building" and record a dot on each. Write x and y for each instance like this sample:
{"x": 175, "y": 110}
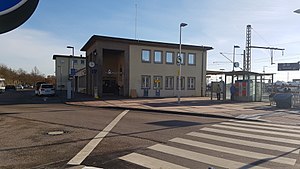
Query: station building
{"x": 138, "y": 68}
{"x": 63, "y": 65}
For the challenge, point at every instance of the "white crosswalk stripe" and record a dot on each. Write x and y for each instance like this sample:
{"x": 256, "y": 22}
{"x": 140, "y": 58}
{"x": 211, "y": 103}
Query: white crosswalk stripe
{"x": 267, "y": 124}
{"x": 234, "y": 151}
{"x": 262, "y": 127}
{"x": 258, "y": 130}
{"x": 245, "y": 142}
{"x": 200, "y": 157}
{"x": 247, "y": 135}
{"x": 150, "y": 162}
{"x": 249, "y": 140}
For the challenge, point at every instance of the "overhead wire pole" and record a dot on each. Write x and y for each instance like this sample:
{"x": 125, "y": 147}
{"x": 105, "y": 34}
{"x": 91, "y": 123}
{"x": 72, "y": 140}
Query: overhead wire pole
{"x": 271, "y": 49}
{"x": 247, "y": 57}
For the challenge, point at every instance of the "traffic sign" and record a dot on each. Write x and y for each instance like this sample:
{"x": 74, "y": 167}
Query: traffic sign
{"x": 14, "y": 13}
{"x": 288, "y": 66}
{"x": 178, "y": 60}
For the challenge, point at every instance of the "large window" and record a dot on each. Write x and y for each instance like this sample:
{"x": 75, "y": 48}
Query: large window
{"x": 146, "y": 82}
{"x": 169, "y": 57}
{"x": 157, "y": 82}
{"x": 182, "y": 83}
{"x": 157, "y": 56}
{"x": 191, "y": 83}
{"x": 182, "y": 58}
{"x": 192, "y": 59}
{"x": 146, "y": 55}
{"x": 169, "y": 83}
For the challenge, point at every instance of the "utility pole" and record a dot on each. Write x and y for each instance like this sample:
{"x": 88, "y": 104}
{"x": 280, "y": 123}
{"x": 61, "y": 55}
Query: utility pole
{"x": 247, "y": 57}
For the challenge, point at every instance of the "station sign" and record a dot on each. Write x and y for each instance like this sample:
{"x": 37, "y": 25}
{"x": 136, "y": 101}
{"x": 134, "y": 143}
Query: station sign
{"x": 288, "y": 66}
{"x": 14, "y": 13}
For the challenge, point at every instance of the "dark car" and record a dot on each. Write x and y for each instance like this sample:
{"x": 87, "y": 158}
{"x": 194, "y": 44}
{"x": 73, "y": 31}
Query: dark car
{"x": 10, "y": 88}
{"x": 37, "y": 87}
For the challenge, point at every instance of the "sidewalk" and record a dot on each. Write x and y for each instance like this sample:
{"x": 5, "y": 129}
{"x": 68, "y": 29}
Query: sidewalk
{"x": 201, "y": 106}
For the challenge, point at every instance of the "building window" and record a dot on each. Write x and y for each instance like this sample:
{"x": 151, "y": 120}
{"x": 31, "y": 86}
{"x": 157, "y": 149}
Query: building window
{"x": 182, "y": 58}
{"x": 146, "y": 82}
{"x": 82, "y": 62}
{"x": 157, "y": 82}
{"x": 182, "y": 83}
{"x": 170, "y": 57}
{"x": 75, "y": 61}
{"x": 191, "y": 83}
{"x": 157, "y": 56}
{"x": 169, "y": 83}
{"x": 62, "y": 61}
{"x": 145, "y": 55}
{"x": 192, "y": 59}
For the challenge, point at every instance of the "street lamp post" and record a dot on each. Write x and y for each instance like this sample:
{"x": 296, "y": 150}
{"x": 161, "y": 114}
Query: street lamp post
{"x": 180, "y": 60}
{"x": 71, "y": 73}
{"x": 233, "y": 57}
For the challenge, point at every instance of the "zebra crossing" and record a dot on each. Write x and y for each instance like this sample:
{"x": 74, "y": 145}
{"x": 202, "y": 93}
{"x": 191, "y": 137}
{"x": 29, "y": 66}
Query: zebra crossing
{"x": 232, "y": 144}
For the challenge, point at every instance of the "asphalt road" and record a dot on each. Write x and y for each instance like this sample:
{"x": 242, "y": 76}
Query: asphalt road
{"x": 135, "y": 141}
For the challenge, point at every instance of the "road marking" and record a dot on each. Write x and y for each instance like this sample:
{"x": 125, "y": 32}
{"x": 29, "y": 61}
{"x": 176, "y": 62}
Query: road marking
{"x": 150, "y": 162}
{"x": 267, "y": 124}
{"x": 220, "y": 162}
{"x": 261, "y": 127}
{"x": 245, "y": 142}
{"x": 262, "y": 137}
{"x": 258, "y": 131}
{"x": 243, "y": 153}
{"x": 86, "y": 167}
{"x": 77, "y": 160}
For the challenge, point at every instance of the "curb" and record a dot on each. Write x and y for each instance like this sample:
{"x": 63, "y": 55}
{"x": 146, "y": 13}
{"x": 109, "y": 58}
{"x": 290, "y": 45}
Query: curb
{"x": 166, "y": 111}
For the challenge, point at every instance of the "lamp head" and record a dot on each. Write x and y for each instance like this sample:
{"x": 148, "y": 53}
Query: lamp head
{"x": 70, "y": 47}
{"x": 183, "y": 24}
{"x": 236, "y": 46}
{"x": 297, "y": 11}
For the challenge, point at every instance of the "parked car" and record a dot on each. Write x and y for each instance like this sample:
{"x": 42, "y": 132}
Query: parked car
{"x": 10, "y": 88}
{"x": 46, "y": 90}
{"x": 37, "y": 87}
{"x": 20, "y": 87}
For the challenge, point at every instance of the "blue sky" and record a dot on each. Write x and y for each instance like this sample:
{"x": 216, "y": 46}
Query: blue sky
{"x": 220, "y": 24}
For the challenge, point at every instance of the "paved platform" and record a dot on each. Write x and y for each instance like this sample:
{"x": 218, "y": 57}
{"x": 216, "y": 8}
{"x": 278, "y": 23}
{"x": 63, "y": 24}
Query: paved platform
{"x": 200, "y": 106}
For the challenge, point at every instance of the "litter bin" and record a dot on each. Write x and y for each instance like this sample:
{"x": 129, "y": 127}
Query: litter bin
{"x": 283, "y": 100}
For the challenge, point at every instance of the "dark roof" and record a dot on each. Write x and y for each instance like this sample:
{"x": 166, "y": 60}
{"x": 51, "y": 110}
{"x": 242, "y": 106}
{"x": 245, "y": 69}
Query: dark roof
{"x": 95, "y": 38}
{"x": 67, "y": 56}
{"x": 246, "y": 73}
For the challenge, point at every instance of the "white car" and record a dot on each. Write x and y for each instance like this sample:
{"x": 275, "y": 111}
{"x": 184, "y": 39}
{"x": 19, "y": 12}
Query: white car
{"x": 46, "y": 89}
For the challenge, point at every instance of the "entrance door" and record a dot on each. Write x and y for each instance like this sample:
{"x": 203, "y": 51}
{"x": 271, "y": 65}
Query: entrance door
{"x": 110, "y": 87}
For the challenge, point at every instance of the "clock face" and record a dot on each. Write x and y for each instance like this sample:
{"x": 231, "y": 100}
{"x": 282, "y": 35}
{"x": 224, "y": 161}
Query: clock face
{"x": 92, "y": 64}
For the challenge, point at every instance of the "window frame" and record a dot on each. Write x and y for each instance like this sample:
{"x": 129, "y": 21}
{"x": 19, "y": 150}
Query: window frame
{"x": 173, "y": 54}
{"x": 161, "y": 56}
{"x": 160, "y": 86}
{"x": 189, "y": 84}
{"x": 188, "y": 58}
{"x": 143, "y": 80}
{"x": 142, "y": 55}
{"x": 182, "y": 83}
{"x": 169, "y": 86}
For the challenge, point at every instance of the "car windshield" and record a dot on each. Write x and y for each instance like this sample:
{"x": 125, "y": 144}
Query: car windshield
{"x": 47, "y": 86}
